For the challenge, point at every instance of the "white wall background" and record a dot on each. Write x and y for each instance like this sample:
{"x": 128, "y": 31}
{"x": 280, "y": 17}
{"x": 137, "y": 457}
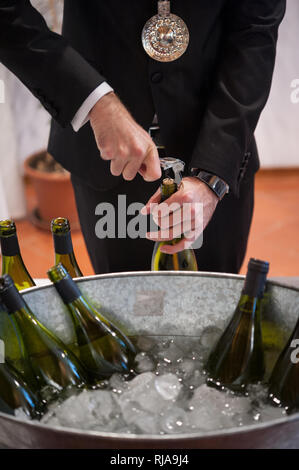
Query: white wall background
{"x": 278, "y": 129}
{"x": 24, "y": 124}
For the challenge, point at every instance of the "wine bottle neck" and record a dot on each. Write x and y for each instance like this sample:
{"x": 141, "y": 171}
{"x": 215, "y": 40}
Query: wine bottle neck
{"x": 12, "y": 300}
{"x": 254, "y": 284}
{"x": 10, "y": 245}
{"x": 168, "y": 188}
{"x": 63, "y": 243}
{"x": 67, "y": 289}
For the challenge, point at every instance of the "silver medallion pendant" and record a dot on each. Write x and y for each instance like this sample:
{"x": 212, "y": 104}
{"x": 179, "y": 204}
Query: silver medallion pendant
{"x": 165, "y": 37}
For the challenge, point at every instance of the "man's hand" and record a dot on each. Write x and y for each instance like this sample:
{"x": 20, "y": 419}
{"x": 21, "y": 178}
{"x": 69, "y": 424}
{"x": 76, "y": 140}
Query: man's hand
{"x": 121, "y": 140}
{"x": 190, "y": 222}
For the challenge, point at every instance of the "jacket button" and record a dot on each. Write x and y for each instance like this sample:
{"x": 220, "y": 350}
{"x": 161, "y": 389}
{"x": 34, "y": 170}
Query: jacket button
{"x": 157, "y": 77}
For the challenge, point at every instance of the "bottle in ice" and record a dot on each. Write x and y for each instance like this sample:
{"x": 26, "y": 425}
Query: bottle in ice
{"x": 53, "y": 364}
{"x": 12, "y": 349}
{"x": 184, "y": 260}
{"x": 101, "y": 346}
{"x": 237, "y": 359}
{"x": 284, "y": 380}
{"x": 63, "y": 246}
{"x": 15, "y": 393}
{"x": 12, "y": 262}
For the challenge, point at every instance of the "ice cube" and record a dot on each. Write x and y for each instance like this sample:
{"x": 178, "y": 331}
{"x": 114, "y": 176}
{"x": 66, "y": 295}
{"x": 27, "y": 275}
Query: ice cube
{"x": 171, "y": 354}
{"x": 130, "y": 410}
{"x": 168, "y": 386}
{"x": 138, "y": 419}
{"x": 174, "y": 420}
{"x": 268, "y": 413}
{"x": 113, "y": 425}
{"x": 144, "y": 363}
{"x": 146, "y": 423}
{"x": 140, "y": 384}
{"x": 102, "y": 406}
{"x": 118, "y": 383}
{"x": 212, "y": 409}
{"x": 195, "y": 380}
{"x": 186, "y": 368}
{"x": 141, "y": 391}
{"x": 20, "y": 414}
{"x": 73, "y": 411}
{"x": 86, "y": 410}
{"x": 258, "y": 393}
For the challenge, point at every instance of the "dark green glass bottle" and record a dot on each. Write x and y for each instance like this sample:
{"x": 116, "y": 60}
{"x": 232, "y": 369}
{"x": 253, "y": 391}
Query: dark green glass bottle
{"x": 238, "y": 357}
{"x": 12, "y": 262}
{"x": 184, "y": 260}
{"x": 15, "y": 393}
{"x": 53, "y": 364}
{"x": 284, "y": 380}
{"x": 15, "y": 352}
{"x": 102, "y": 347}
{"x": 63, "y": 246}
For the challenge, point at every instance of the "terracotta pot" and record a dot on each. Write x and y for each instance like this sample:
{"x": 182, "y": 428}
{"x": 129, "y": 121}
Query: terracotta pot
{"x": 54, "y": 195}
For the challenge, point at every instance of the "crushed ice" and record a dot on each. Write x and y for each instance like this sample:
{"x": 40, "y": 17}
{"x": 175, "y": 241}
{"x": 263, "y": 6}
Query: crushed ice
{"x": 168, "y": 396}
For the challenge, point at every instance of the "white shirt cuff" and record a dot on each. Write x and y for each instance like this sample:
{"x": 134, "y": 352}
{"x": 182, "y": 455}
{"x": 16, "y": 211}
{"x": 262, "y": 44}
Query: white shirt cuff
{"x": 82, "y": 115}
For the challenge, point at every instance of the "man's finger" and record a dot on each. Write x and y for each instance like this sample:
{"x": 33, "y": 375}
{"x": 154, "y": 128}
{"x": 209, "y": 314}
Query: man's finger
{"x": 131, "y": 169}
{"x": 117, "y": 166}
{"x": 164, "y": 235}
{"x": 180, "y": 197}
{"x": 183, "y": 244}
{"x": 185, "y": 227}
{"x": 151, "y": 165}
{"x": 170, "y": 219}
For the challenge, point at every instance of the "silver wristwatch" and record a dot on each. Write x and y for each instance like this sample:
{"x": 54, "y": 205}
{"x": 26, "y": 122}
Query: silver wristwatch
{"x": 216, "y": 184}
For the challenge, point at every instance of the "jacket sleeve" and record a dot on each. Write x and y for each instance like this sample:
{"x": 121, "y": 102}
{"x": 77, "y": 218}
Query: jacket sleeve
{"x": 241, "y": 88}
{"x": 44, "y": 61}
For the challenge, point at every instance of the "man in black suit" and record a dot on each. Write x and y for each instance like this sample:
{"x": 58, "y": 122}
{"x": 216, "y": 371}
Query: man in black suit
{"x": 208, "y": 103}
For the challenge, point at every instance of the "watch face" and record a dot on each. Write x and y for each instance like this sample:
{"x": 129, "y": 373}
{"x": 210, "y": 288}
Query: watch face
{"x": 220, "y": 188}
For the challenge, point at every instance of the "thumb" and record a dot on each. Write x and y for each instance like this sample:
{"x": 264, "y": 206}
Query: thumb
{"x": 150, "y": 169}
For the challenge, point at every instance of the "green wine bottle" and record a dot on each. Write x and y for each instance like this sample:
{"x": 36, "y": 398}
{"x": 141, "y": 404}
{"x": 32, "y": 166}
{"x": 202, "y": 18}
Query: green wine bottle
{"x": 15, "y": 393}
{"x": 53, "y": 364}
{"x": 238, "y": 357}
{"x": 12, "y": 262}
{"x": 284, "y": 380}
{"x": 102, "y": 347}
{"x": 14, "y": 351}
{"x": 184, "y": 260}
{"x": 63, "y": 246}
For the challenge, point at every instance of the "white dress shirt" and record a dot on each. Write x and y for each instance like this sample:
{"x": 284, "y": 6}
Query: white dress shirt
{"x": 82, "y": 115}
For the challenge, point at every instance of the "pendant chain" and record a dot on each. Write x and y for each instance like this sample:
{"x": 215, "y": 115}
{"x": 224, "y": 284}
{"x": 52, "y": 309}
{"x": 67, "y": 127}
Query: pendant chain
{"x": 164, "y": 8}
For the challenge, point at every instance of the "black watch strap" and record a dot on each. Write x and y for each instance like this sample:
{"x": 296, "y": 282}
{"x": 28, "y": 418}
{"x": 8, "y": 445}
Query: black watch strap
{"x": 216, "y": 184}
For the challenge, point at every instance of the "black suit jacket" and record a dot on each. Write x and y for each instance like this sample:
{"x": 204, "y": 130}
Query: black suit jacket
{"x": 208, "y": 102}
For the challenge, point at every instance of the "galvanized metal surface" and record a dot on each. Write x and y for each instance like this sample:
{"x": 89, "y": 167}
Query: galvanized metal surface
{"x": 158, "y": 303}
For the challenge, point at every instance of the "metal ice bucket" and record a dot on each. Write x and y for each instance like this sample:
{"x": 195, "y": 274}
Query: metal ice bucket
{"x": 151, "y": 303}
